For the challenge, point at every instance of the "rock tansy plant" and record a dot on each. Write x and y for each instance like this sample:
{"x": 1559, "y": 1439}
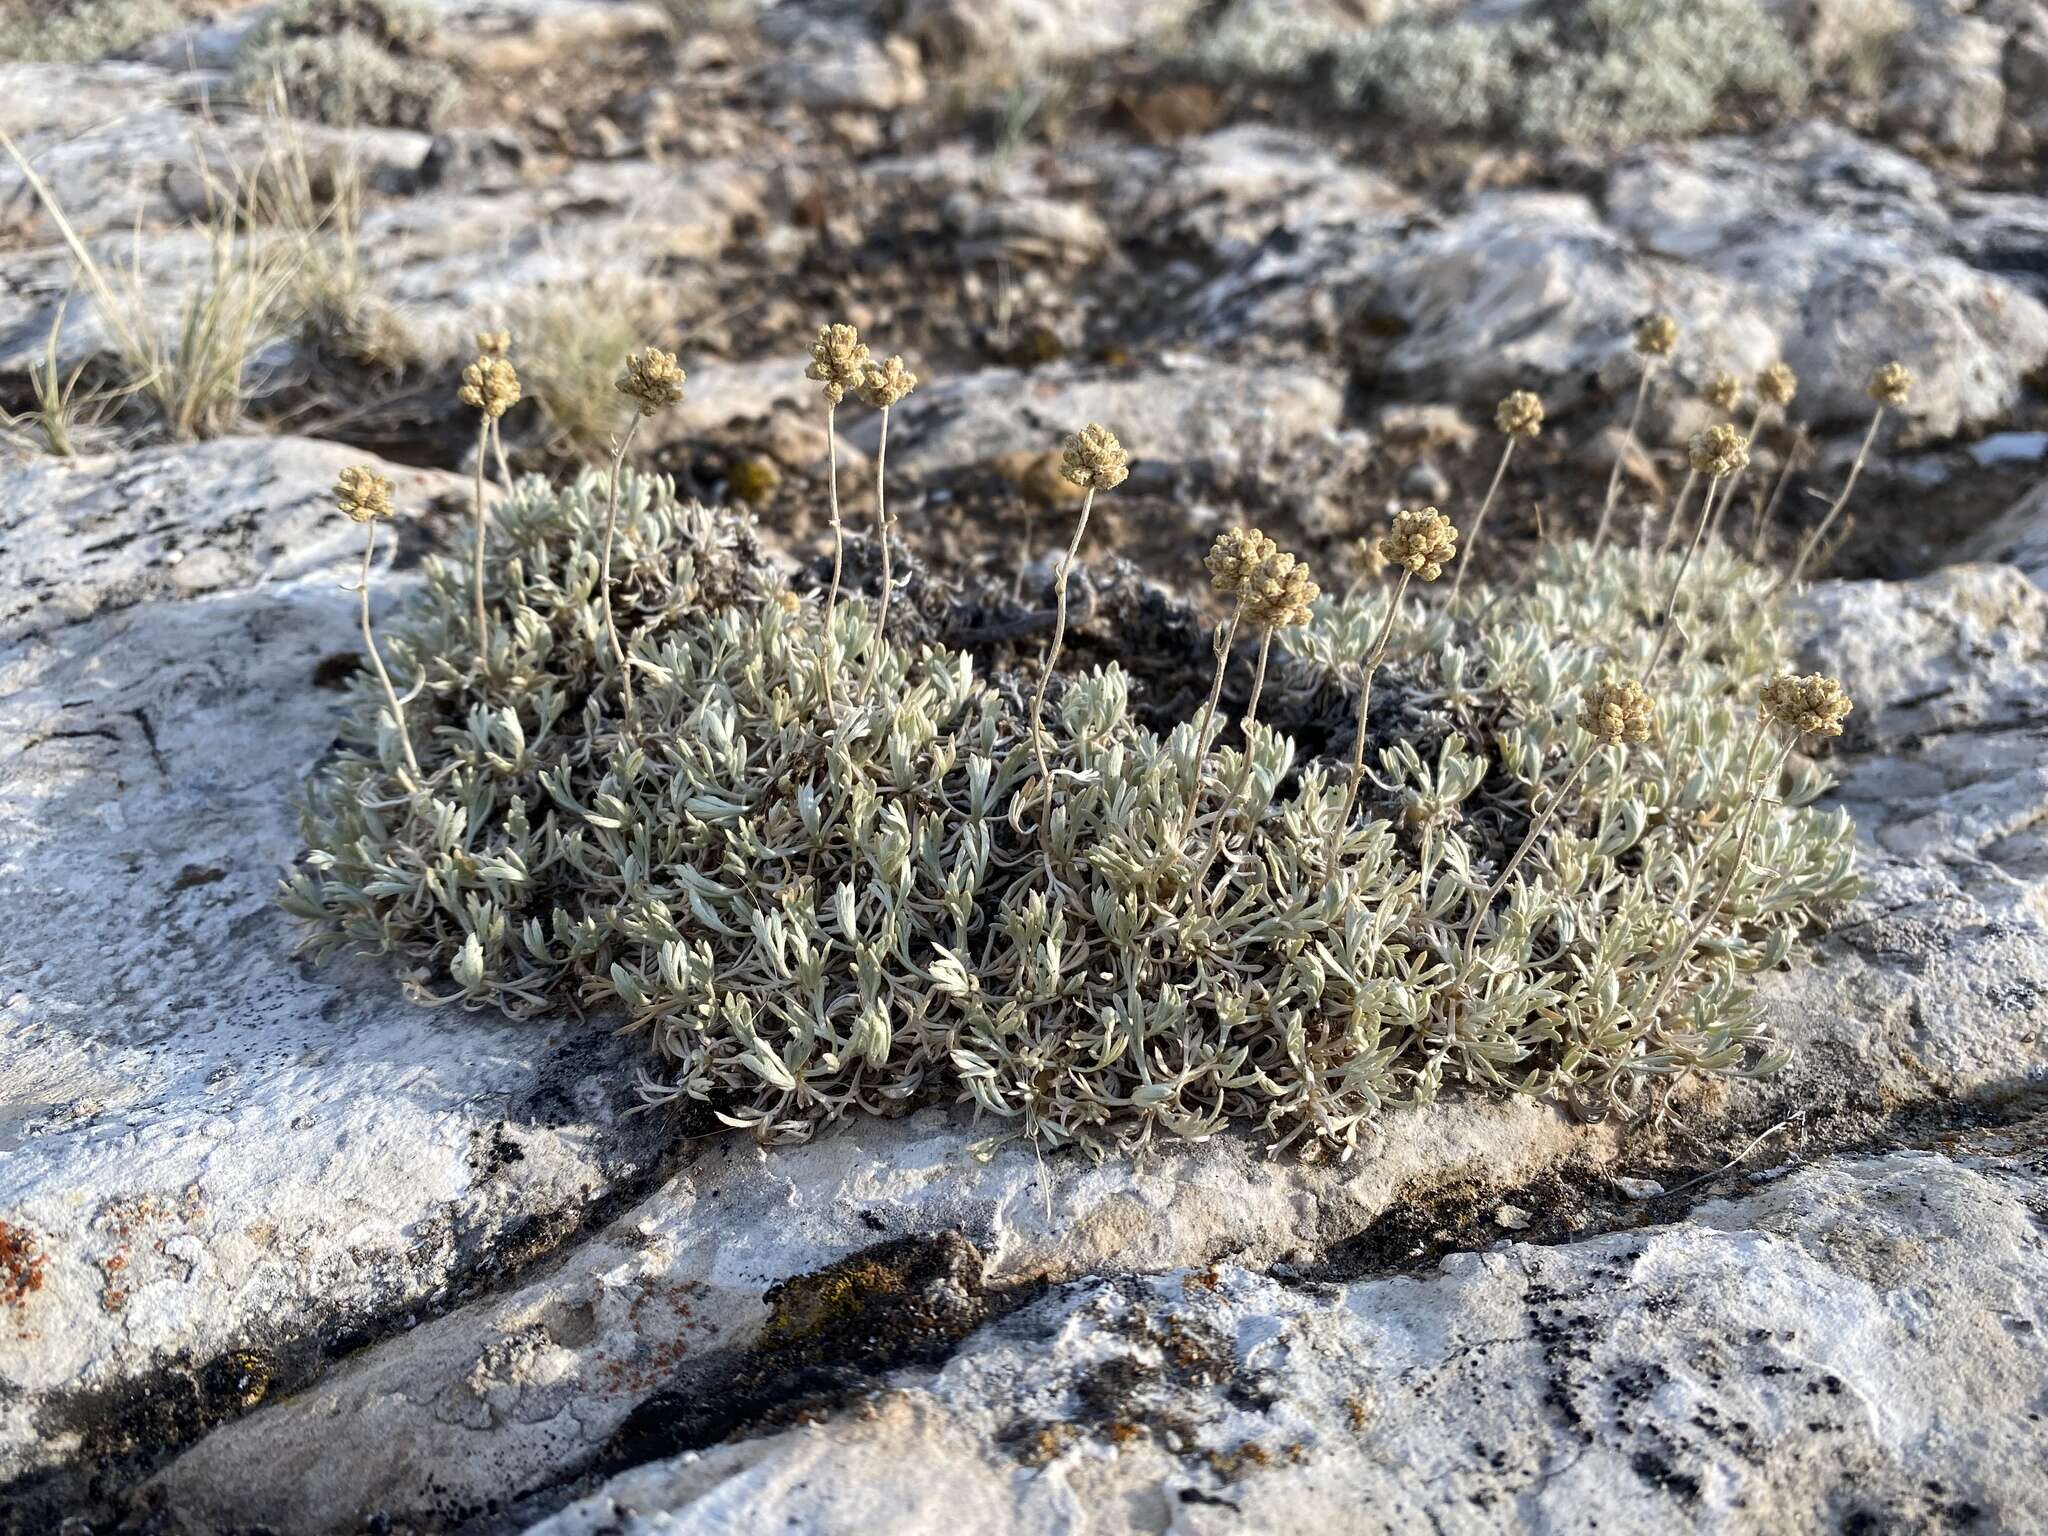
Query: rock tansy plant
{"x": 810, "y": 905}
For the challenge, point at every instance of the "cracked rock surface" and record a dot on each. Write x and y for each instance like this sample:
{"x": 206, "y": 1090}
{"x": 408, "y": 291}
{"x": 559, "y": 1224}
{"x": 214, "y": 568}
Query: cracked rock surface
{"x": 283, "y": 1251}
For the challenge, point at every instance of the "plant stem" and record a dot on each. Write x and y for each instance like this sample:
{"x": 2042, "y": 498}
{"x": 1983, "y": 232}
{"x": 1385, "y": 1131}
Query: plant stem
{"x": 1052, "y": 657}
{"x": 1763, "y": 516}
{"x": 377, "y": 661}
{"x": 1244, "y": 768}
{"x": 1501, "y": 882}
{"x": 476, "y": 571}
{"x": 1678, "y": 580}
{"x": 838, "y": 546}
{"x": 1750, "y": 821}
{"x": 498, "y": 449}
{"x": 1372, "y": 665}
{"x": 1677, "y": 521}
{"x": 1628, "y": 441}
{"x": 888, "y": 579}
{"x": 1791, "y": 578}
{"x": 1224, "y": 641}
{"x": 604, "y": 580}
{"x": 1472, "y": 538}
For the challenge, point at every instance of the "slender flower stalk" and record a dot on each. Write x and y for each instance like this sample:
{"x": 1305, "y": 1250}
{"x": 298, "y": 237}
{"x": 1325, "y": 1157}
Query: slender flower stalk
{"x": 1813, "y": 705}
{"x": 1677, "y": 519}
{"x": 837, "y": 357}
{"x": 882, "y": 385}
{"x": 1421, "y": 543}
{"x": 1756, "y": 422}
{"x": 1520, "y": 415}
{"x": 1279, "y": 594}
{"x": 1775, "y": 388}
{"x": 652, "y": 381}
{"x": 490, "y": 385}
{"x": 1891, "y": 386}
{"x": 1232, "y": 560}
{"x": 1095, "y": 461}
{"x": 497, "y": 344}
{"x": 1719, "y": 453}
{"x": 1613, "y": 714}
{"x": 1656, "y": 338}
{"x": 365, "y": 497}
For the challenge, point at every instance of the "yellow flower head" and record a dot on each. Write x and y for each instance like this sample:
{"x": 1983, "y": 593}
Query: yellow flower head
{"x": 1095, "y": 460}
{"x": 884, "y": 384}
{"x": 1520, "y": 414}
{"x": 1776, "y": 385}
{"x": 1892, "y": 384}
{"x": 1618, "y": 712}
{"x": 1279, "y": 593}
{"x": 1814, "y": 704}
{"x": 837, "y": 358}
{"x": 652, "y": 378}
{"x": 1421, "y": 542}
{"x": 1719, "y": 451}
{"x": 1235, "y": 556}
{"x": 494, "y": 343}
{"x": 1656, "y": 335}
{"x": 491, "y": 385}
{"x": 1723, "y": 392}
{"x": 362, "y": 494}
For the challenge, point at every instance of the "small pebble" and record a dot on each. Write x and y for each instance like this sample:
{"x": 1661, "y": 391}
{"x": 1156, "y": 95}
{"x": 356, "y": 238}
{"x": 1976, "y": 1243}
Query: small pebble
{"x": 1513, "y": 1217}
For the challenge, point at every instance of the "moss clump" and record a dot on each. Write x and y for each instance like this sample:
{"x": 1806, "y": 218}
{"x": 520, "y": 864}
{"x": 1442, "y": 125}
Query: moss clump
{"x": 812, "y": 905}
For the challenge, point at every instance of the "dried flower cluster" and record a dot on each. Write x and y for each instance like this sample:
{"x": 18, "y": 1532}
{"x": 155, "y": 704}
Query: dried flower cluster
{"x": 886, "y": 383}
{"x": 1892, "y": 385}
{"x": 1279, "y": 593}
{"x": 1617, "y": 712}
{"x": 1656, "y": 335}
{"x": 1095, "y": 460}
{"x": 1234, "y": 557}
{"x": 1813, "y": 704}
{"x": 1520, "y": 414}
{"x": 838, "y": 358}
{"x": 491, "y": 385}
{"x": 1421, "y": 542}
{"x": 1718, "y": 452}
{"x": 1776, "y": 385}
{"x": 1723, "y": 392}
{"x": 362, "y": 494}
{"x": 652, "y": 378}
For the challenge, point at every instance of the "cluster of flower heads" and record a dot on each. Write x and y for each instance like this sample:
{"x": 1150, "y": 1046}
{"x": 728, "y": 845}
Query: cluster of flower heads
{"x": 1550, "y": 875}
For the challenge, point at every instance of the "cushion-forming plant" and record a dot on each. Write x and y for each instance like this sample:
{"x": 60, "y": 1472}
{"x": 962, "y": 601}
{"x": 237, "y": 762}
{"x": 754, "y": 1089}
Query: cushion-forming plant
{"x": 1556, "y": 872}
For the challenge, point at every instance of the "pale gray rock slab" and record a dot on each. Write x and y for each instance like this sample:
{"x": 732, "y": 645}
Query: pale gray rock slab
{"x": 132, "y": 143}
{"x": 1179, "y": 409}
{"x": 1936, "y": 977}
{"x": 2019, "y": 537}
{"x": 1949, "y": 86}
{"x": 509, "y": 1393}
{"x": 1852, "y": 256}
{"x": 91, "y": 535}
{"x": 218, "y": 1151}
{"x": 458, "y": 261}
{"x": 1533, "y": 290}
{"x": 1862, "y": 1341}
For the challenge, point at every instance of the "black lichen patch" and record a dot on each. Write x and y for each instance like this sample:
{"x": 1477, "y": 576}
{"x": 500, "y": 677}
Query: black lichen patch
{"x": 904, "y": 1302}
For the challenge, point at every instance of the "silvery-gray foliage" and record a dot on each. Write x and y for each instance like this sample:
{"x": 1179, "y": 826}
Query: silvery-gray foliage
{"x": 808, "y": 911}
